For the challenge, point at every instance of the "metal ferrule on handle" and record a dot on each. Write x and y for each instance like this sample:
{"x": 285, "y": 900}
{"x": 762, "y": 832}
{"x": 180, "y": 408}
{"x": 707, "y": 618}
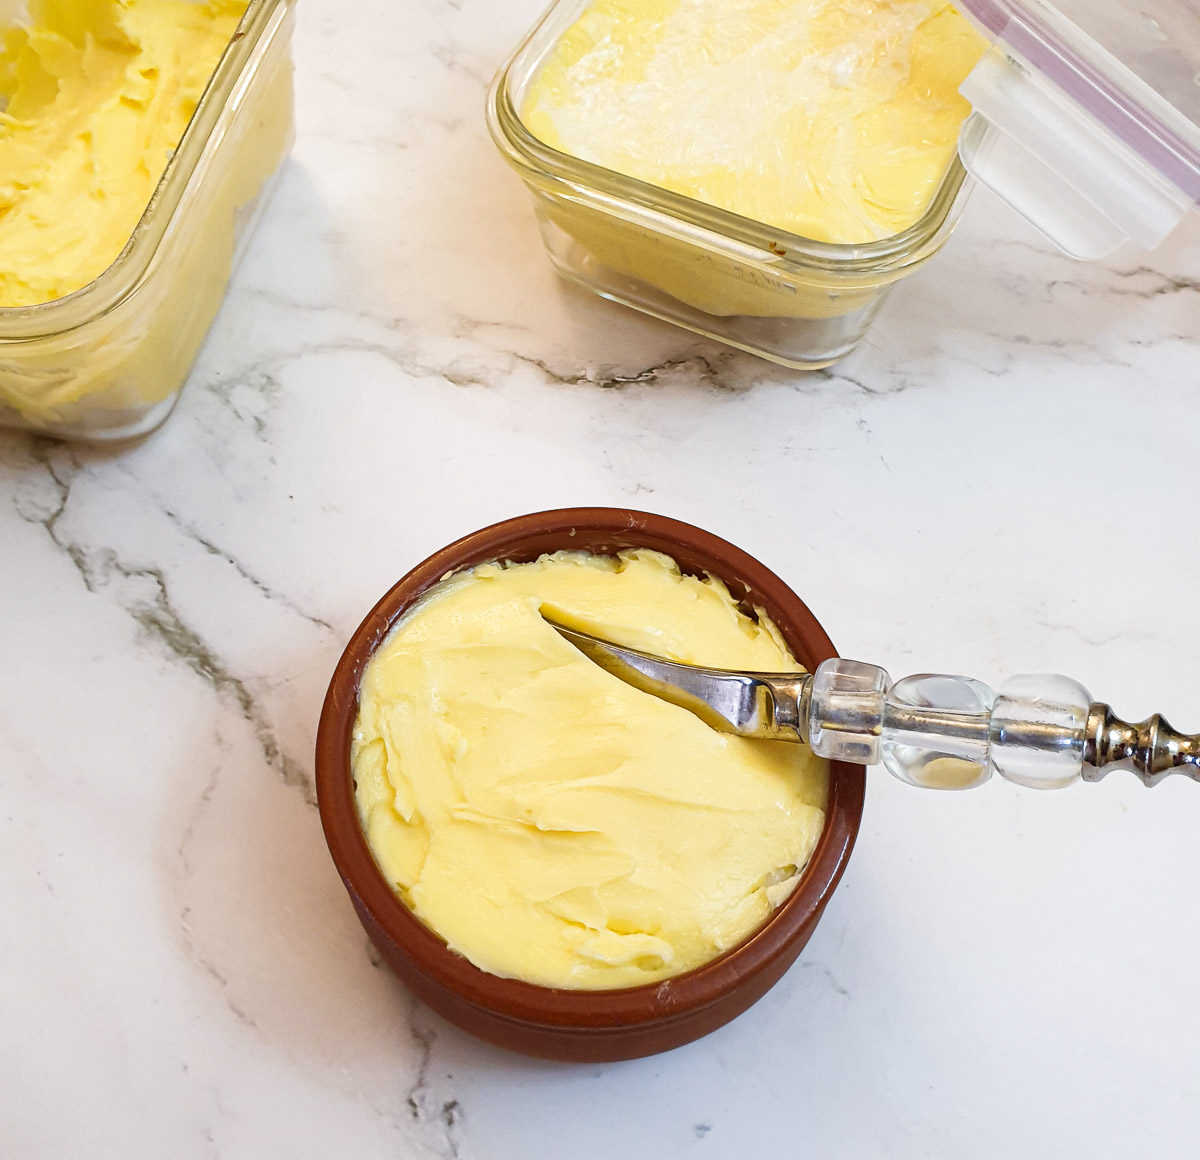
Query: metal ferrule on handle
{"x": 1151, "y": 749}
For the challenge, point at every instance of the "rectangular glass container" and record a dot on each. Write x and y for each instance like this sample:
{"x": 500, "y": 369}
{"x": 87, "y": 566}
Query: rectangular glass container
{"x": 107, "y": 362}
{"x": 784, "y": 297}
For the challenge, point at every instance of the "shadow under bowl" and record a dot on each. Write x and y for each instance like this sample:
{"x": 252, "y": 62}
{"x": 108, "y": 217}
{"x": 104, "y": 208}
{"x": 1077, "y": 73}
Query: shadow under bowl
{"x": 579, "y": 1025}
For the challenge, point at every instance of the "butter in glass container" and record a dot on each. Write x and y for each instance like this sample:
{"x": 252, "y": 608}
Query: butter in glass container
{"x": 137, "y": 142}
{"x": 760, "y": 172}
{"x": 832, "y": 119}
{"x": 763, "y": 171}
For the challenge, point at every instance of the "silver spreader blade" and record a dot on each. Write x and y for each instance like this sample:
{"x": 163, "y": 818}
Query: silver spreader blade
{"x": 767, "y": 705}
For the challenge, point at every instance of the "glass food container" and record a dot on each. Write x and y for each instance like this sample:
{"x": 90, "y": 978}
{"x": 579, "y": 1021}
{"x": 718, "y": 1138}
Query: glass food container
{"x": 107, "y": 362}
{"x": 1086, "y": 119}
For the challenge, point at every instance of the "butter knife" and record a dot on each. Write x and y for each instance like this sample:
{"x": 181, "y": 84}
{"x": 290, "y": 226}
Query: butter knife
{"x": 931, "y": 730}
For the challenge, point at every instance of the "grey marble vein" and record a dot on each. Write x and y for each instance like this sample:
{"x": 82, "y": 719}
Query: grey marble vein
{"x": 146, "y": 599}
{"x": 438, "y": 1113}
{"x": 274, "y": 595}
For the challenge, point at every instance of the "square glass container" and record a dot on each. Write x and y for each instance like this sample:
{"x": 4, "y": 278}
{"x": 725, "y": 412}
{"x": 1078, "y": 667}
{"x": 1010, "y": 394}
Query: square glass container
{"x": 784, "y": 297}
{"x": 107, "y": 362}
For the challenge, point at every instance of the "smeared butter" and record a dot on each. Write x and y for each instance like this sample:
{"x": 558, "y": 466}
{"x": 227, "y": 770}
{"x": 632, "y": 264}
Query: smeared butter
{"x": 553, "y": 824}
{"x": 832, "y": 119}
{"x": 97, "y": 94}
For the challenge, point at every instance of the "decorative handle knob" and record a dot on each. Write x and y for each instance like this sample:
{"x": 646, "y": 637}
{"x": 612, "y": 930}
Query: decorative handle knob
{"x": 1151, "y": 749}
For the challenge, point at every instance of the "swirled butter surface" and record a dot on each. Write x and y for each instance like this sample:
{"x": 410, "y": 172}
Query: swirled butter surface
{"x": 832, "y": 119}
{"x": 96, "y": 96}
{"x": 553, "y": 824}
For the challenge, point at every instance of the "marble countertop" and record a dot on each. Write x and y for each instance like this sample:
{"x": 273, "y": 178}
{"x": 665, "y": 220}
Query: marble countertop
{"x": 1002, "y": 479}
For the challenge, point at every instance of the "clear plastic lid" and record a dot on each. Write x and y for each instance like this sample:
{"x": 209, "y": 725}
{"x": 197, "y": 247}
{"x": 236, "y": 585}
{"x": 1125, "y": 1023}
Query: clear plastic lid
{"x": 1087, "y": 116}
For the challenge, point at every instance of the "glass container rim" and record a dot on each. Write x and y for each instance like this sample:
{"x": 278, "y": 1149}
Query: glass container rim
{"x": 526, "y": 152}
{"x": 238, "y": 61}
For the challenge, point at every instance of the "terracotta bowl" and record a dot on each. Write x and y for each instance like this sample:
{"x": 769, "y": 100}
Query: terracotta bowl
{"x": 543, "y": 1021}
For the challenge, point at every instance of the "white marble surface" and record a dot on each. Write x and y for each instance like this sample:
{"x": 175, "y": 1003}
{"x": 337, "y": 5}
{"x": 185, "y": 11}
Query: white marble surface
{"x": 1003, "y": 479}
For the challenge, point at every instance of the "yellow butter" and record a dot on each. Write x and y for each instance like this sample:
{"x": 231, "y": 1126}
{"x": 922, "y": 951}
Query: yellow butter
{"x": 97, "y": 96}
{"x": 553, "y": 824}
{"x": 832, "y": 119}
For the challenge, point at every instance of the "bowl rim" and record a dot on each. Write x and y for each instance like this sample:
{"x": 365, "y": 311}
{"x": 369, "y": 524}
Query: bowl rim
{"x": 515, "y": 1000}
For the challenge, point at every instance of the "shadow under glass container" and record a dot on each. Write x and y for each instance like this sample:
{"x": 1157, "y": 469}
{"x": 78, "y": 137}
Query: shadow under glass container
{"x": 107, "y": 362}
{"x": 776, "y": 294}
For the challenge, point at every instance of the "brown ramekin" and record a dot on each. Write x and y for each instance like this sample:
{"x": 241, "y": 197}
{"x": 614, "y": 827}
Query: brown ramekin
{"x": 544, "y": 1021}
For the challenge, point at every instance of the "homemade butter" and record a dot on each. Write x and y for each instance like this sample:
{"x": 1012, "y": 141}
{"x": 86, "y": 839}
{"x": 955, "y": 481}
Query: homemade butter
{"x": 97, "y": 96}
{"x": 552, "y": 823}
{"x": 832, "y": 119}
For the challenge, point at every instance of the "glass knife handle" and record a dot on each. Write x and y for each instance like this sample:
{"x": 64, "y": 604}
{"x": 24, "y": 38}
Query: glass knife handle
{"x": 948, "y": 732}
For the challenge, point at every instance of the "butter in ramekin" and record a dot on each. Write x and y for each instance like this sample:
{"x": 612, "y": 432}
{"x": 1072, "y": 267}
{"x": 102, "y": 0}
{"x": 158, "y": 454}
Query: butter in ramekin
{"x": 553, "y": 824}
